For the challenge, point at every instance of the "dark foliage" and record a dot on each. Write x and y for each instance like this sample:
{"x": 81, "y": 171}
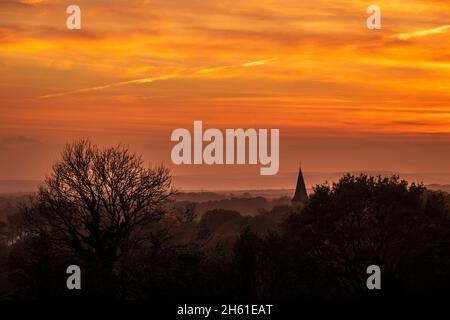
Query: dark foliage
{"x": 102, "y": 210}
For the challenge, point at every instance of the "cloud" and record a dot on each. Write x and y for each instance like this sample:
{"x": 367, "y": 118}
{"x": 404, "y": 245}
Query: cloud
{"x": 152, "y": 79}
{"x": 107, "y": 86}
{"x": 256, "y": 63}
{"x": 422, "y": 33}
{"x": 31, "y": 2}
{"x": 22, "y": 3}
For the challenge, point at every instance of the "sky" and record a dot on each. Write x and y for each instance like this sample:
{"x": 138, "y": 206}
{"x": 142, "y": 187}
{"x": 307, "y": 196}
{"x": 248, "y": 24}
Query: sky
{"x": 344, "y": 97}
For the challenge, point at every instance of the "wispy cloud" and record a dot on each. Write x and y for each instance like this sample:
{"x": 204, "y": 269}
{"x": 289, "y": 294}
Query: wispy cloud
{"x": 256, "y": 63}
{"x": 107, "y": 86}
{"x": 152, "y": 79}
{"x": 422, "y": 33}
{"x": 31, "y": 2}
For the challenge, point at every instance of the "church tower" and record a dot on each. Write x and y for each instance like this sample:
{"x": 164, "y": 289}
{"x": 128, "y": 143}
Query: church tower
{"x": 300, "y": 196}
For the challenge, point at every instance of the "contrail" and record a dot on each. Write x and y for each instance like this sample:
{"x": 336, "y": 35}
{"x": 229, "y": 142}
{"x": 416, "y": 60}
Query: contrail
{"x": 257, "y": 63}
{"x": 152, "y": 79}
{"x": 107, "y": 86}
{"x": 422, "y": 33}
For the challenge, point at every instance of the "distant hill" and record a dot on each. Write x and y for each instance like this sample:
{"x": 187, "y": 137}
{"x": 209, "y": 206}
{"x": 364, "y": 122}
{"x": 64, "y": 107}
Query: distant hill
{"x": 246, "y": 206}
{"x": 440, "y": 187}
{"x": 248, "y": 202}
{"x": 204, "y": 196}
{"x": 266, "y": 186}
{"x": 287, "y": 180}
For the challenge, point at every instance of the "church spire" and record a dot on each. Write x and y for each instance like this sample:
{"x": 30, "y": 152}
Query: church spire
{"x": 300, "y": 196}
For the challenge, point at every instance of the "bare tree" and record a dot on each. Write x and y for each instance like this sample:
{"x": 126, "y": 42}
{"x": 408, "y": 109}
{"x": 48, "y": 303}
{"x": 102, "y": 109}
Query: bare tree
{"x": 98, "y": 203}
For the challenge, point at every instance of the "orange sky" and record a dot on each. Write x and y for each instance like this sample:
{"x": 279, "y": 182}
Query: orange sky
{"x": 344, "y": 97}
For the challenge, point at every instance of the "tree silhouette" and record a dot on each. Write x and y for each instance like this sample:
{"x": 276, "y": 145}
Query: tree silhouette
{"x": 362, "y": 220}
{"x": 97, "y": 203}
{"x": 102, "y": 210}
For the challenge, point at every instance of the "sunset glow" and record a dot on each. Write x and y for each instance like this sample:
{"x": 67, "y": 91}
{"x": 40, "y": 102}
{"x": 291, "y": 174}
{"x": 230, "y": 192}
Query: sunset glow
{"x": 344, "y": 97}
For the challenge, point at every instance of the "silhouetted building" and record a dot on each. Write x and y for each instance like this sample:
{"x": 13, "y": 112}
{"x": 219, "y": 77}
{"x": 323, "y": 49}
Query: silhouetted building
{"x": 300, "y": 196}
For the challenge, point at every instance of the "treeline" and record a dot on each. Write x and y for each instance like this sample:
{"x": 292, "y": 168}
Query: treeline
{"x": 103, "y": 211}
{"x": 249, "y": 205}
